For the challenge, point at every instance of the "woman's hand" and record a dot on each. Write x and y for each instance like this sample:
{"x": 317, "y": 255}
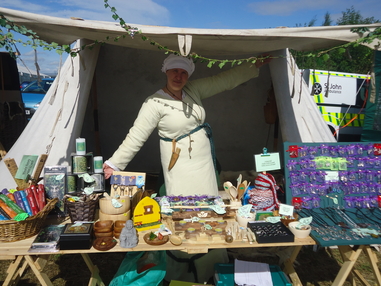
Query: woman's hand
{"x": 107, "y": 170}
{"x": 262, "y": 60}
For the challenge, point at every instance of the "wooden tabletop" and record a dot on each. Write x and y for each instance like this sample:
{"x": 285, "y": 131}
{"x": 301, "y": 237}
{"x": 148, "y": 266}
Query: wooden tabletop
{"x": 12, "y": 249}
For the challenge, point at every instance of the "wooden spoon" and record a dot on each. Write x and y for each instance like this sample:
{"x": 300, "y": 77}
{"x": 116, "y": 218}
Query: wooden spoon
{"x": 248, "y": 185}
{"x": 173, "y": 238}
{"x": 241, "y": 191}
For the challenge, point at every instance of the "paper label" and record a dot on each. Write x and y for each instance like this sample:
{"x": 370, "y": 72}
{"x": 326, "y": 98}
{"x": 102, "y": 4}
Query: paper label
{"x": 267, "y": 162}
{"x": 26, "y": 168}
{"x": 286, "y": 210}
{"x": 331, "y": 176}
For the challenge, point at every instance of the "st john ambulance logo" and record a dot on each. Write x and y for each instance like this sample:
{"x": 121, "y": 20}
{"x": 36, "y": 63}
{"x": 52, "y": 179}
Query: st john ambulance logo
{"x": 317, "y": 88}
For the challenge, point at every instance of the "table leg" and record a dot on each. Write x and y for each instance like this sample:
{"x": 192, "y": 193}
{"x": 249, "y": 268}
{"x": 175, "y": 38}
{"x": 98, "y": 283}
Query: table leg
{"x": 373, "y": 261}
{"x": 350, "y": 257}
{"x": 95, "y": 278}
{"x": 289, "y": 267}
{"x": 15, "y": 271}
{"x": 37, "y": 269}
{"x": 12, "y": 276}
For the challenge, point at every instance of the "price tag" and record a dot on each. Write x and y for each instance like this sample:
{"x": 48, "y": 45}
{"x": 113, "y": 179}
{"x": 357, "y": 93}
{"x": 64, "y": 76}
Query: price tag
{"x": 286, "y": 210}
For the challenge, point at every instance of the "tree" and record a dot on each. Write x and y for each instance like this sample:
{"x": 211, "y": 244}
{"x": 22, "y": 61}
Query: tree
{"x": 352, "y": 59}
{"x": 327, "y": 19}
{"x": 353, "y": 17}
{"x": 310, "y": 23}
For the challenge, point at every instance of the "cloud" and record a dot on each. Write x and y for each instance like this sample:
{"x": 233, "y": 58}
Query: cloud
{"x": 21, "y": 5}
{"x": 145, "y": 12}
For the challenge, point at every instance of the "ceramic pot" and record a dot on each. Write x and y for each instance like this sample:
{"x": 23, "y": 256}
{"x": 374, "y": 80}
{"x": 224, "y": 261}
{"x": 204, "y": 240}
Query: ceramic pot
{"x": 299, "y": 233}
{"x": 242, "y": 221}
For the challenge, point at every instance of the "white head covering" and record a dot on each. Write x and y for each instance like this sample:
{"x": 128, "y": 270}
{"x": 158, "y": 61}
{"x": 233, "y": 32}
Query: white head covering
{"x": 174, "y": 61}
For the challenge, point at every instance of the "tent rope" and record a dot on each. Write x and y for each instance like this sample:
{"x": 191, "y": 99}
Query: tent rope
{"x": 53, "y": 97}
{"x": 37, "y": 66}
{"x": 49, "y": 147}
{"x": 293, "y": 77}
{"x": 59, "y": 113}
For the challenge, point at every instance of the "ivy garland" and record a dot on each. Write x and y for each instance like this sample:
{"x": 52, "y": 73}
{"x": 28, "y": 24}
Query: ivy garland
{"x": 8, "y": 41}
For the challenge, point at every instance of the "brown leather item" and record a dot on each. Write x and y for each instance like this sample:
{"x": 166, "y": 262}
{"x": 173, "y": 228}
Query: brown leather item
{"x": 104, "y": 243}
{"x": 175, "y": 155}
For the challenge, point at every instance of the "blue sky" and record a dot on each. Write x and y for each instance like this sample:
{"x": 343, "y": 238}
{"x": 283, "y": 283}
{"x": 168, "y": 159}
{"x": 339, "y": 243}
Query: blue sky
{"x": 208, "y": 14}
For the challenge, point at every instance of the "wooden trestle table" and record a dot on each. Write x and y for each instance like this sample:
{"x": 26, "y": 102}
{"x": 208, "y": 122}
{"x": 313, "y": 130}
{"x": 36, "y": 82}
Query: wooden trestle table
{"x": 22, "y": 259}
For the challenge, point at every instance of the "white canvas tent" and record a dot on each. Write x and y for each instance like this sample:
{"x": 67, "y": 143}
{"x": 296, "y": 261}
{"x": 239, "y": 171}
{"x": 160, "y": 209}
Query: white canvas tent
{"x": 97, "y": 95}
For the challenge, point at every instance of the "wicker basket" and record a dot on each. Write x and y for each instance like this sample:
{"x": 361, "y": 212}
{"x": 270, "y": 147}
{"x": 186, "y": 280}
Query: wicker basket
{"x": 11, "y": 230}
{"x": 81, "y": 211}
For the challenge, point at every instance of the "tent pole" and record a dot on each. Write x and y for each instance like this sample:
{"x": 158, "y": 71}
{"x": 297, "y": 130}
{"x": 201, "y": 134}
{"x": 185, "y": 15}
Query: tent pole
{"x": 276, "y": 128}
{"x": 94, "y": 95}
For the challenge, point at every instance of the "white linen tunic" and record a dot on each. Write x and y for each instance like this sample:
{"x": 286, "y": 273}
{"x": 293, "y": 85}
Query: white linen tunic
{"x": 194, "y": 172}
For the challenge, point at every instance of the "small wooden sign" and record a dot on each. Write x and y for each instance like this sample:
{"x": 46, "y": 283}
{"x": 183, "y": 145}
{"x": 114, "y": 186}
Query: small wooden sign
{"x": 12, "y": 167}
{"x": 39, "y": 166}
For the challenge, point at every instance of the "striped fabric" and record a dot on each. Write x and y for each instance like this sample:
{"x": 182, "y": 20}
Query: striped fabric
{"x": 264, "y": 196}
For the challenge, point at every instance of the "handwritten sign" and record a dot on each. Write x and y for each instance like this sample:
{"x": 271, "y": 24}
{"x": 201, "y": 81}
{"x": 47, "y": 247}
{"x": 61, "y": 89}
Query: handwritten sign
{"x": 26, "y": 168}
{"x": 267, "y": 162}
{"x": 286, "y": 210}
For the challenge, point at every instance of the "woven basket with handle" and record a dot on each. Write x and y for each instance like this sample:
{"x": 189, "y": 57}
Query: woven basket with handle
{"x": 82, "y": 210}
{"x": 11, "y": 230}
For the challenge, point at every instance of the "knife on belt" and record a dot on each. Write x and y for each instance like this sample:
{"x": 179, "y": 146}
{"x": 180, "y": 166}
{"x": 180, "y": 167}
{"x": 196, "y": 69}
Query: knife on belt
{"x": 175, "y": 155}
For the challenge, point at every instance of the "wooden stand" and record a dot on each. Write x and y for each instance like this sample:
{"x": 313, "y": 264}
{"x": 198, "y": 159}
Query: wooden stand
{"x": 350, "y": 256}
{"x": 37, "y": 265}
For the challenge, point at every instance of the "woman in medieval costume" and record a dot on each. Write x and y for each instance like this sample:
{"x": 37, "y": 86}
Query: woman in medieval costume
{"x": 186, "y": 146}
{"x": 176, "y": 110}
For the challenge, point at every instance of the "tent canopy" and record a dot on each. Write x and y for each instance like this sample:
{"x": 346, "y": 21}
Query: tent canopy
{"x": 206, "y": 42}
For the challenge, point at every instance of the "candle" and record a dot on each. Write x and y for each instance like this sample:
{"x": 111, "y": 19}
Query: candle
{"x": 80, "y": 146}
{"x": 98, "y": 164}
{"x": 79, "y": 165}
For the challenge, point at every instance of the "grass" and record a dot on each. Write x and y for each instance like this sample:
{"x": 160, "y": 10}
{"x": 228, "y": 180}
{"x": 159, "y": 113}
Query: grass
{"x": 315, "y": 267}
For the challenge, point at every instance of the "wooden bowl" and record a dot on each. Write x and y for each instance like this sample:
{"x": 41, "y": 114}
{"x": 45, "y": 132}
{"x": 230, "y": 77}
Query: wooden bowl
{"x": 105, "y": 205}
{"x": 104, "y": 243}
{"x": 118, "y": 229}
{"x": 116, "y": 234}
{"x": 156, "y": 241}
{"x": 104, "y": 226}
{"x": 103, "y": 234}
{"x": 287, "y": 221}
{"x": 119, "y": 223}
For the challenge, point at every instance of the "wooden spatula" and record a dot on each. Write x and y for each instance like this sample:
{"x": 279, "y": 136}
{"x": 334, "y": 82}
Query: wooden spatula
{"x": 233, "y": 192}
{"x": 227, "y": 186}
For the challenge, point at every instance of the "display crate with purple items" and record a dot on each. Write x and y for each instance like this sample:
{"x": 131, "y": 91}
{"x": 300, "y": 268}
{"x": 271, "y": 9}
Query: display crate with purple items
{"x": 339, "y": 185}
